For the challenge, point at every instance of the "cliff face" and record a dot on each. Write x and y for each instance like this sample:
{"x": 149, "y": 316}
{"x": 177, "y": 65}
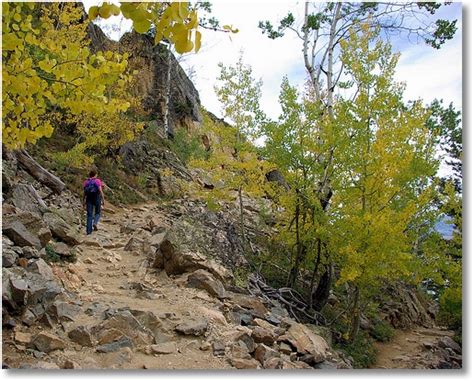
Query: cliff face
{"x": 151, "y": 63}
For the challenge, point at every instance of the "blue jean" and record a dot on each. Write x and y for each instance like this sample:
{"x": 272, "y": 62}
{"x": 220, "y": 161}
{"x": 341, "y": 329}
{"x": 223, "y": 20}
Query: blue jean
{"x": 93, "y": 213}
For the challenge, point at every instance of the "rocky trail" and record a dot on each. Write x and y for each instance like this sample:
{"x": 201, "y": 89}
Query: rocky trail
{"x": 122, "y": 306}
{"x": 419, "y": 348}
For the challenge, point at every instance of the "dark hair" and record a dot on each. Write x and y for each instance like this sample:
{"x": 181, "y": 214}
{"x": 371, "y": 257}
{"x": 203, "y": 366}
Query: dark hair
{"x": 92, "y": 173}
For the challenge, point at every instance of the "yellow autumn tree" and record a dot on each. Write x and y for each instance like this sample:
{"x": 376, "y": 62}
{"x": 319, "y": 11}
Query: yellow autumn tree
{"x": 384, "y": 159}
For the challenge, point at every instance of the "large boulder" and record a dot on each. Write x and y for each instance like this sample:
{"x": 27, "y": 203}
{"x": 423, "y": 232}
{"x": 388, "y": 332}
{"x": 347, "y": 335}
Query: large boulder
{"x": 175, "y": 261}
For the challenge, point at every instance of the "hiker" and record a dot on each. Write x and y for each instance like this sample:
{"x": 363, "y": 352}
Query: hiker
{"x": 93, "y": 199}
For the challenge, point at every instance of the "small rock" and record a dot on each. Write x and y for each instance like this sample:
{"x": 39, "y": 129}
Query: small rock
{"x": 61, "y": 249}
{"x": 205, "y": 346}
{"x": 196, "y": 327}
{"x": 28, "y": 317}
{"x": 81, "y": 335}
{"x": 109, "y": 336}
{"x": 285, "y": 348}
{"x": 30, "y": 252}
{"x": 19, "y": 289}
{"x": 70, "y": 364}
{"x": 447, "y": 342}
{"x": 308, "y": 359}
{"x": 263, "y": 324}
{"x": 40, "y": 365}
{"x": 218, "y": 348}
{"x": 19, "y": 234}
{"x": 240, "y": 363}
{"x": 164, "y": 348}
{"x": 9, "y": 258}
{"x": 22, "y": 337}
{"x": 204, "y": 280}
{"x": 428, "y": 344}
{"x": 64, "y": 311}
{"x": 123, "y": 342}
{"x": 273, "y": 363}
{"x": 264, "y": 353}
{"x": 263, "y": 335}
{"x": 42, "y": 268}
{"x": 47, "y": 342}
{"x": 240, "y": 350}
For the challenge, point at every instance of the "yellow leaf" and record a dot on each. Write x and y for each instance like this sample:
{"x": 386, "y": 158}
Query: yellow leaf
{"x": 93, "y": 12}
{"x": 115, "y": 10}
{"x": 183, "y": 46}
{"x": 10, "y": 41}
{"x": 105, "y": 11}
{"x": 193, "y": 22}
{"x": 141, "y": 26}
{"x": 197, "y": 41}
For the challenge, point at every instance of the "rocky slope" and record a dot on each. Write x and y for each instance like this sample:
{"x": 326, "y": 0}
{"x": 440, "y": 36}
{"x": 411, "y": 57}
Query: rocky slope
{"x": 150, "y": 289}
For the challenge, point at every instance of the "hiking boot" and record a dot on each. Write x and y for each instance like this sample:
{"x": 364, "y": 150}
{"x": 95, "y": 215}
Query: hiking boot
{"x": 94, "y": 227}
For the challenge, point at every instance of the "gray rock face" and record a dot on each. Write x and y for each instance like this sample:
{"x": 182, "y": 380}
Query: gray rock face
{"x": 42, "y": 268}
{"x": 405, "y": 309}
{"x": 63, "y": 311}
{"x": 152, "y": 63}
{"x": 61, "y": 249}
{"x": 203, "y": 280}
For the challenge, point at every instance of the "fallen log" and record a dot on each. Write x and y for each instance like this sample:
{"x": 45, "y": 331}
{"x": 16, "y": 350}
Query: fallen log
{"x": 38, "y": 172}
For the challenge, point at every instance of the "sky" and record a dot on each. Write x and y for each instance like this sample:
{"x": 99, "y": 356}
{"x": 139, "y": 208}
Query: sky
{"x": 428, "y": 73}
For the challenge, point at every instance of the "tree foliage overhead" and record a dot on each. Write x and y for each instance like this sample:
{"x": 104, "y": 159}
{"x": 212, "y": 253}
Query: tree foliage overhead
{"x": 175, "y": 22}
{"x": 48, "y": 70}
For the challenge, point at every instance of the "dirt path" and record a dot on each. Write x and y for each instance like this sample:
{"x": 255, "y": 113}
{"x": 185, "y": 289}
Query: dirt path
{"x": 113, "y": 275}
{"x": 106, "y": 276}
{"x": 406, "y": 347}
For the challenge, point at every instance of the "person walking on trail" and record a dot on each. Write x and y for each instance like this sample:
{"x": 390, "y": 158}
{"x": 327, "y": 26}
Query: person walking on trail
{"x": 93, "y": 200}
